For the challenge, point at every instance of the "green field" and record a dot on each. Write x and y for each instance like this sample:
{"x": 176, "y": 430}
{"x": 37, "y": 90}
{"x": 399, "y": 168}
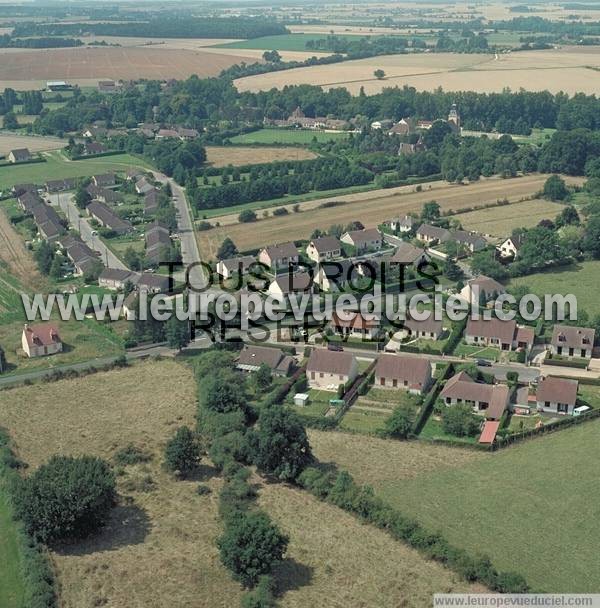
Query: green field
{"x": 286, "y": 136}
{"x": 58, "y": 167}
{"x": 531, "y": 508}
{"x": 10, "y": 300}
{"x": 538, "y": 136}
{"x": 284, "y": 42}
{"x": 580, "y": 279}
{"x": 12, "y": 586}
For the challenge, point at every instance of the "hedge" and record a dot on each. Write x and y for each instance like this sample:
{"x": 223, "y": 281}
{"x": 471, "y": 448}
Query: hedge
{"x": 455, "y": 337}
{"x": 361, "y": 501}
{"x": 99, "y": 155}
{"x": 33, "y": 161}
{"x": 576, "y": 363}
{"x": 40, "y": 586}
{"x": 430, "y": 399}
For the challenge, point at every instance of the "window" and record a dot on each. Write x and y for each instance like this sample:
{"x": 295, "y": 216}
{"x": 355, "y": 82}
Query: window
{"x": 382, "y": 381}
{"x": 320, "y": 374}
{"x": 312, "y": 375}
{"x": 394, "y": 383}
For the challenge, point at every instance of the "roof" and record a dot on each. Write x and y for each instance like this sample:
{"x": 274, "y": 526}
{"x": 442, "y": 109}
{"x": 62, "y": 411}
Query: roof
{"x": 486, "y": 285}
{"x": 29, "y": 201}
{"x": 356, "y": 321}
{"x": 525, "y": 334}
{"x": 468, "y": 238}
{"x": 21, "y": 154}
{"x": 289, "y": 283}
{"x": 430, "y": 324}
{"x": 116, "y": 274}
{"x": 557, "y": 390}
{"x": 414, "y": 370}
{"x": 42, "y": 334}
{"x": 154, "y": 282}
{"x": 281, "y": 250}
{"x": 498, "y": 401}
{"x": 490, "y": 428}
{"x": 233, "y": 264}
{"x": 329, "y": 361}
{"x": 492, "y": 328}
{"x": 157, "y": 237}
{"x": 433, "y": 232}
{"x": 573, "y": 337}
{"x": 407, "y": 221}
{"x": 364, "y": 236}
{"x": 105, "y": 179}
{"x": 462, "y": 386}
{"x": 144, "y": 186}
{"x": 254, "y": 356}
{"x": 326, "y": 243}
{"x": 22, "y": 188}
{"x": 167, "y": 133}
{"x": 108, "y": 217}
{"x": 406, "y": 254}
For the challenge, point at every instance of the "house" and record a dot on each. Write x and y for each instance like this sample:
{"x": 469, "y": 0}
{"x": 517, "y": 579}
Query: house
{"x": 93, "y": 147}
{"x": 425, "y": 124}
{"x": 491, "y": 399}
{"x": 252, "y": 357}
{"x": 402, "y": 224}
{"x": 279, "y": 256}
{"x": 226, "y": 268}
{"x": 167, "y": 133}
{"x": 327, "y": 369}
{"x": 41, "y": 340}
{"x": 29, "y": 201}
{"x": 133, "y": 175}
{"x": 556, "y": 395}
{"x": 143, "y": 186}
{"x": 19, "y": 155}
{"x": 402, "y": 127}
{"x": 153, "y": 283}
{"x": 335, "y": 276}
{"x": 157, "y": 242}
{"x": 106, "y": 180}
{"x": 406, "y": 149}
{"x": 19, "y": 189}
{"x": 324, "y": 248}
{"x": 511, "y": 246}
{"x": 81, "y": 256}
{"x": 505, "y": 335}
{"x": 480, "y": 289}
{"x": 407, "y": 254}
{"x": 107, "y": 218}
{"x": 409, "y": 373}
{"x": 385, "y": 123}
{"x": 356, "y": 325}
{"x": 95, "y": 130}
{"x": 49, "y": 224}
{"x": 131, "y": 305}
{"x": 110, "y": 197}
{"x": 60, "y": 185}
{"x": 187, "y": 134}
{"x": 151, "y": 202}
{"x": 470, "y": 240}
{"x": 362, "y": 240}
{"x": 287, "y": 283}
{"x": 571, "y": 341}
{"x": 432, "y": 234}
{"x": 108, "y": 86}
{"x": 427, "y": 329}
{"x": 116, "y": 278}
{"x": 58, "y": 85}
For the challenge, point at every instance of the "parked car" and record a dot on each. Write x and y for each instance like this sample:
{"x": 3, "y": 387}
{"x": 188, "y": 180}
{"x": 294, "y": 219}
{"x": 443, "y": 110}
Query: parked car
{"x": 483, "y": 363}
{"x": 334, "y": 346}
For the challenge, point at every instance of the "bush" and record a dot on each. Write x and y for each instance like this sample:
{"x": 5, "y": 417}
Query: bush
{"x": 247, "y": 216}
{"x": 182, "y": 453}
{"x": 261, "y": 596}
{"x": 131, "y": 455}
{"x": 280, "y": 211}
{"x": 459, "y": 420}
{"x": 203, "y": 490}
{"x": 203, "y": 226}
{"x": 65, "y": 499}
{"x": 250, "y": 546}
{"x": 400, "y": 424}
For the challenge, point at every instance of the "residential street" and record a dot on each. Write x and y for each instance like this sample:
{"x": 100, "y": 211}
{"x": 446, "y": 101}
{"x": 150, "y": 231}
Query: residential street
{"x": 82, "y": 225}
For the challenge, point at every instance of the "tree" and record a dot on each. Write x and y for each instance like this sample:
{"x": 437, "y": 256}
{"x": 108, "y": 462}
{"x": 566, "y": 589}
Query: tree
{"x": 555, "y": 188}
{"x": 250, "y": 546}
{"x": 247, "y": 216}
{"x": 223, "y": 391}
{"x": 82, "y": 196}
{"x": 227, "y": 249}
{"x": 379, "y": 74}
{"x": 567, "y": 217}
{"x": 178, "y": 333}
{"x": 56, "y": 267}
{"x": 10, "y": 121}
{"x": 44, "y": 257}
{"x": 182, "y": 453}
{"x": 66, "y": 498}
{"x": 281, "y": 444}
{"x": 460, "y": 421}
{"x": 485, "y": 262}
{"x": 453, "y": 271}
{"x": 272, "y": 57}
{"x": 262, "y": 377}
{"x": 400, "y": 424}
{"x": 132, "y": 259}
{"x": 430, "y": 211}
{"x": 261, "y": 596}
{"x": 92, "y": 272}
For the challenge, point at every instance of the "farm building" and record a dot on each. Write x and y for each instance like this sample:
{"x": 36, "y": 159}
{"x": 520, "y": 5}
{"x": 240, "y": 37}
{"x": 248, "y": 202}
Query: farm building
{"x": 328, "y": 369}
{"x": 41, "y": 339}
{"x": 570, "y": 341}
{"x": 408, "y": 373}
{"x": 19, "y": 156}
{"x": 252, "y": 357}
{"x": 557, "y": 395}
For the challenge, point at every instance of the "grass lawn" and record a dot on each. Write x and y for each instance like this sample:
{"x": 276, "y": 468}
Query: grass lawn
{"x": 58, "y": 167}
{"x": 522, "y": 506}
{"x": 287, "y": 136}
{"x": 283, "y": 42}
{"x": 477, "y": 352}
{"x": 364, "y": 421}
{"x": 433, "y": 429}
{"x": 590, "y": 394}
{"x": 578, "y": 279}
{"x": 12, "y": 586}
{"x": 538, "y": 136}
{"x": 10, "y": 299}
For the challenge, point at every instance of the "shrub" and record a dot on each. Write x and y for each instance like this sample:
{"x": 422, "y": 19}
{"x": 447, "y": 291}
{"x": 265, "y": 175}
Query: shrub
{"x": 247, "y": 216}
{"x": 280, "y": 211}
{"x": 203, "y": 490}
{"x": 261, "y": 596}
{"x": 67, "y": 498}
{"x": 250, "y": 546}
{"x": 131, "y": 455}
{"x": 203, "y": 226}
{"x": 182, "y": 453}
{"x": 400, "y": 424}
{"x": 459, "y": 420}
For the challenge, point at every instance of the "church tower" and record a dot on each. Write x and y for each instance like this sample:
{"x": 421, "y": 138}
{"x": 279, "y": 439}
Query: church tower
{"x": 454, "y": 118}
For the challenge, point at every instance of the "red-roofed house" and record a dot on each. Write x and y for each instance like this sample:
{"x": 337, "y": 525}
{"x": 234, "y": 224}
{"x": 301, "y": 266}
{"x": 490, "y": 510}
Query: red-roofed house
{"x": 355, "y": 325}
{"x": 504, "y": 335}
{"x": 489, "y": 399}
{"x": 557, "y": 395}
{"x": 40, "y": 340}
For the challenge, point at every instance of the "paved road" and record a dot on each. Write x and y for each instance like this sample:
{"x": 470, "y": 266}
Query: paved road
{"x": 66, "y": 202}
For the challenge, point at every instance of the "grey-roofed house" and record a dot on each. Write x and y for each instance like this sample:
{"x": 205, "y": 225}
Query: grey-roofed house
{"x": 481, "y": 287}
{"x": 470, "y": 240}
{"x": 28, "y": 201}
{"x": 407, "y": 253}
{"x": 19, "y": 155}
{"x": 107, "y": 218}
{"x": 409, "y": 373}
{"x": 252, "y": 357}
{"x": 505, "y": 335}
{"x": 117, "y": 278}
{"x": 327, "y": 369}
{"x": 19, "y": 189}
{"x": 489, "y": 399}
{"x": 432, "y": 234}
{"x": 571, "y": 341}
{"x": 154, "y": 283}
{"x": 324, "y": 248}
{"x": 143, "y": 186}
{"x": 157, "y": 241}
{"x": 278, "y": 256}
{"x": 82, "y": 257}
{"x": 362, "y": 240}
{"x": 426, "y": 329}
{"x": 105, "y": 180}
{"x": 226, "y": 268}
{"x": 151, "y": 201}
{"x": 402, "y": 224}
{"x": 335, "y": 275}
{"x": 557, "y": 395}
{"x": 288, "y": 283}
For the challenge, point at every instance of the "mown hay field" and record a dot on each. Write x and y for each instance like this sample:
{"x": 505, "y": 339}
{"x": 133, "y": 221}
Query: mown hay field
{"x": 370, "y": 208}
{"x": 222, "y": 156}
{"x": 10, "y": 141}
{"x": 522, "y": 506}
